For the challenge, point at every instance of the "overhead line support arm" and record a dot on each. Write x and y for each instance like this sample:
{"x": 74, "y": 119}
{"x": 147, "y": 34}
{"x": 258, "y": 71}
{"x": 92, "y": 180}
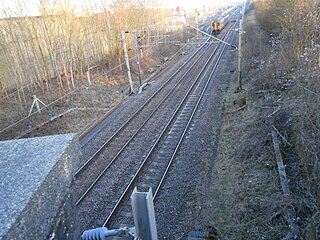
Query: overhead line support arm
{"x": 213, "y": 37}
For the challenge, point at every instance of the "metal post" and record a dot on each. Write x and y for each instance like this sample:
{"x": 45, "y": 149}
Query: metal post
{"x": 143, "y": 214}
{"x": 239, "y": 48}
{"x": 239, "y": 57}
{"x": 137, "y": 54}
{"x": 127, "y": 60}
{"x": 148, "y": 40}
{"x": 197, "y": 22}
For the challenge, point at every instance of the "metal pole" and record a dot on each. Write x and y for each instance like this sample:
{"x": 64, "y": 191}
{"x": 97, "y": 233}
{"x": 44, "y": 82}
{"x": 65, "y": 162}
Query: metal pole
{"x": 137, "y": 54}
{"x": 239, "y": 50}
{"x": 197, "y": 22}
{"x": 127, "y": 60}
{"x": 148, "y": 38}
{"x": 239, "y": 57}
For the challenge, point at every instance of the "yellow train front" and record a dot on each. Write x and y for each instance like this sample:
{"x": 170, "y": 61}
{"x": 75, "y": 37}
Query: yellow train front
{"x": 218, "y": 25}
{"x": 215, "y": 27}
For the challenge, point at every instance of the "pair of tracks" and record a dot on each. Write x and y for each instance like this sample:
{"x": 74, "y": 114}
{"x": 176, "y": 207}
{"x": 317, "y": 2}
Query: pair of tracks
{"x": 160, "y": 124}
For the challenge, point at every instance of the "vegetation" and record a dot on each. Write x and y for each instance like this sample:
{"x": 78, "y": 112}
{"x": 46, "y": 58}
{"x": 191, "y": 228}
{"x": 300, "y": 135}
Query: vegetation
{"x": 282, "y": 62}
{"x": 281, "y": 69}
{"x": 60, "y": 45}
{"x": 295, "y": 68}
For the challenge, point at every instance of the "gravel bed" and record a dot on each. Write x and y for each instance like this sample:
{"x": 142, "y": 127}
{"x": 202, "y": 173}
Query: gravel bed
{"x": 181, "y": 201}
{"x": 94, "y": 209}
{"x": 129, "y": 106}
{"x": 159, "y": 159}
{"x": 126, "y": 167}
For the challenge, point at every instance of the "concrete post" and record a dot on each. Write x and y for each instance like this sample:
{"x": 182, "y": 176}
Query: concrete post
{"x": 137, "y": 54}
{"x": 127, "y": 60}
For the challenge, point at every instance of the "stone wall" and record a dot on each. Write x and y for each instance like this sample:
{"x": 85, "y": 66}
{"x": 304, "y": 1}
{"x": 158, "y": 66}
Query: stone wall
{"x": 35, "y": 176}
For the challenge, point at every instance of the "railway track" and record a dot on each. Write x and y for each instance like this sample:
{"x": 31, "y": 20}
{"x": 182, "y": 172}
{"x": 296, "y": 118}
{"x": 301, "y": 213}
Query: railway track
{"x": 136, "y": 126}
{"x": 159, "y": 94}
{"x": 169, "y": 83}
{"x": 155, "y": 166}
{"x": 162, "y": 143}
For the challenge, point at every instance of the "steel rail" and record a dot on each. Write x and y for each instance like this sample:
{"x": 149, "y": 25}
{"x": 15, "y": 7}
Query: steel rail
{"x": 129, "y": 186}
{"x": 138, "y": 110}
{"x": 135, "y": 133}
{"x": 188, "y": 124}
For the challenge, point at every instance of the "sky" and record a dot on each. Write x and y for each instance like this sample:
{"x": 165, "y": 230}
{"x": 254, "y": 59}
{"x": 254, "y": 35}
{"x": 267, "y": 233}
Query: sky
{"x": 31, "y": 6}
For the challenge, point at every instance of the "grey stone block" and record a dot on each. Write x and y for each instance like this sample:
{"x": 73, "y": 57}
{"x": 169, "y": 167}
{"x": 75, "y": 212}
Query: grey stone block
{"x": 35, "y": 175}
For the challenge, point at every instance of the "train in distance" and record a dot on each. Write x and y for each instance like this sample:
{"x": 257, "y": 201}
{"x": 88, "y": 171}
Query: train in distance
{"x": 218, "y": 25}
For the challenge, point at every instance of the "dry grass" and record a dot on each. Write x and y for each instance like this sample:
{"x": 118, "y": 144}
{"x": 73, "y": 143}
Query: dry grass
{"x": 245, "y": 197}
{"x": 87, "y": 102}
